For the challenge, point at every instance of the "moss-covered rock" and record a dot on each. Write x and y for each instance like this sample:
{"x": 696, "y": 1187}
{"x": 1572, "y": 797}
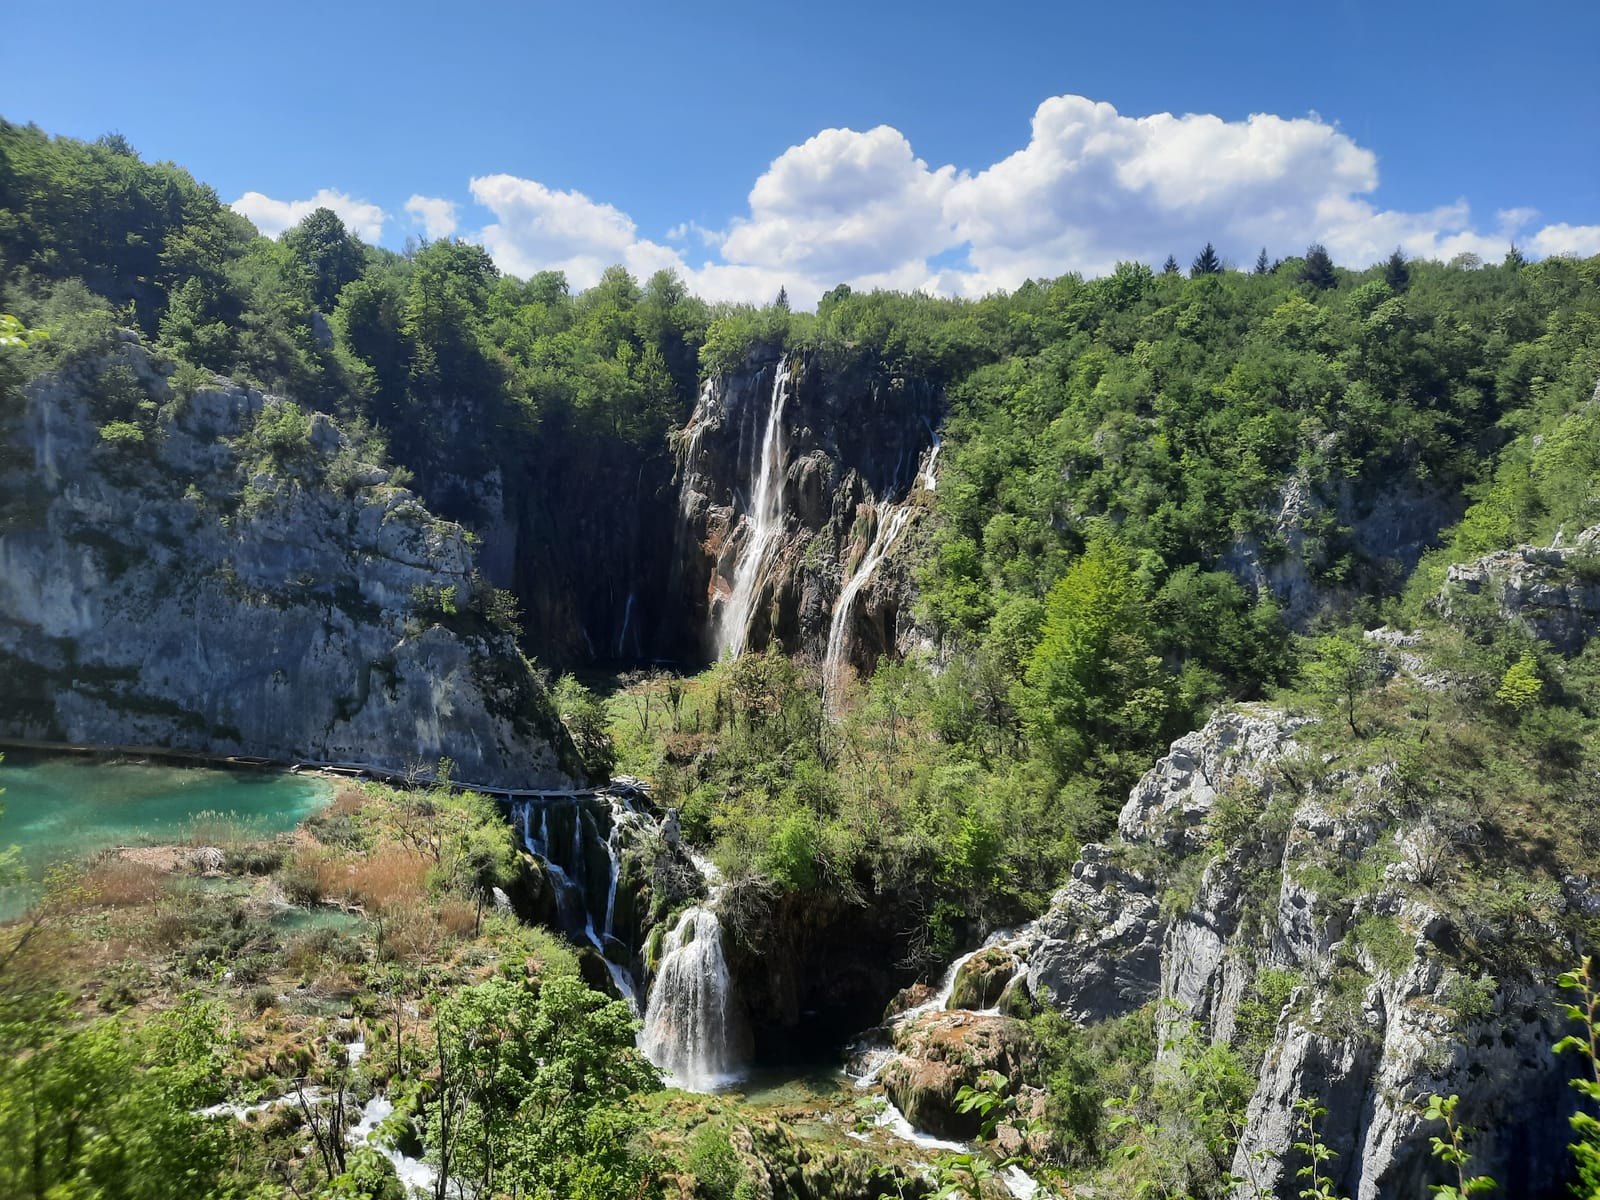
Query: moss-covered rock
{"x": 940, "y": 1053}
{"x": 982, "y": 979}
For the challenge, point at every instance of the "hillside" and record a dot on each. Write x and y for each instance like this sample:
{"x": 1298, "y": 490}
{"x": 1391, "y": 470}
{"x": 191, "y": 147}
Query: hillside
{"x": 1213, "y": 651}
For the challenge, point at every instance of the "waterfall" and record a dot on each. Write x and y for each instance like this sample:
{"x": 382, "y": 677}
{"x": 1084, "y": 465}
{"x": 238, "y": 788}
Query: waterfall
{"x": 930, "y": 481}
{"x": 766, "y": 521}
{"x": 890, "y": 519}
{"x": 693, "y": 1030}
{"x": 627, "y": 619}
{"x": 570, "y": 878}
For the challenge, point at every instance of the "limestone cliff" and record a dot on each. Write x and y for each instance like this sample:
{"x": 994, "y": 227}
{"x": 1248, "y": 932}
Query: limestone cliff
{"x": 1232, "y": 865}
{"x": 212, "y": 570}
{"x": 853, "y": 465}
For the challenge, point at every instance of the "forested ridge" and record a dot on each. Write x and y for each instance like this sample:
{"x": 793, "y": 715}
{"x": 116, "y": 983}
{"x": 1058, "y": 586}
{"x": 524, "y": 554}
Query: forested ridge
{"x": 1160, "y": 494}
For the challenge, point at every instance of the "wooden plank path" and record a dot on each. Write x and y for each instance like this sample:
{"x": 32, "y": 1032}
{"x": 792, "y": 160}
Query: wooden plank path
{"x": 621, "y": 785}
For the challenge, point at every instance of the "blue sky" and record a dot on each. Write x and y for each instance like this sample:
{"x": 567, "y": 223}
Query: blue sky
{"x": 987, "y": 143}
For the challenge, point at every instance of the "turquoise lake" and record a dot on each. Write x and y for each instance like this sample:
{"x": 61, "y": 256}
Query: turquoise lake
{"x": 59, "y": 808}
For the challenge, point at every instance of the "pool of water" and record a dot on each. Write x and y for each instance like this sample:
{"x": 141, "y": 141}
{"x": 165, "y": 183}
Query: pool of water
{"x": 59, "y": 808}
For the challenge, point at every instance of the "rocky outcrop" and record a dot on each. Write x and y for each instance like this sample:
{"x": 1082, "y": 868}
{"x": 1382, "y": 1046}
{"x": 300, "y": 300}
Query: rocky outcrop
{"x": 1226, "y": 868}
{"x": 856, "y": 442}
{"x": 1098, "y": 951}
{"x": 1412, "y": 1044}
{"x": 983, "y": 978}
{"x": 1313, "y": 524}
{"x": 1551, "y": 591}
{"x": 217, "y": 572}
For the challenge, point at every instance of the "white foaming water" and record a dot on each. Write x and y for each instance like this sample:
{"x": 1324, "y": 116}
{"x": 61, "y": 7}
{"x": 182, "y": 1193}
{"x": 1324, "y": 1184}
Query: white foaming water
{"x": 690, "y": 1026}
{"x": 572, "y": 902}
{"x": 890, "y": 521}
{"x": 415, "y": 1175}
{"x": 930, "y": 481}
{"x": 766, "y": 521}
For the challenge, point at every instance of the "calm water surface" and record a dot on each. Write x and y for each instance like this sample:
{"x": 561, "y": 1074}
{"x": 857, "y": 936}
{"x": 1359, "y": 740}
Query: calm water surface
{"x": 61, "y": 807}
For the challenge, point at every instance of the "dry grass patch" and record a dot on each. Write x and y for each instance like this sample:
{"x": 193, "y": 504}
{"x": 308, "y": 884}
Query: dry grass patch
{"x": 116, "y": 882}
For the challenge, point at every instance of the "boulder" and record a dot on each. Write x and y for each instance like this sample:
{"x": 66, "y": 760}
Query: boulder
{"x": 939, "y": 1054}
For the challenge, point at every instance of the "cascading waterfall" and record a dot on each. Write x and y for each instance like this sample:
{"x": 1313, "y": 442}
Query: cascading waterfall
{"x": 930, "y": 481}
{"x": 766, "y": 521}
{"x": 692, "y": 1028}
{"x": 532, "y": 818}
{"x": 891, "y": 520}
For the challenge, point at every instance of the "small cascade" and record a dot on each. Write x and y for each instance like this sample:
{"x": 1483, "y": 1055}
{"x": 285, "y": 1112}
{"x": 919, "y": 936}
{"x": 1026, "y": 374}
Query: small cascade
{"x": 559, "y": 831}
{"x": 930, "y": 481}
{"x": 766, "y": 521}
{"x": 890, "y": 520}
{"x": 627, "y": 620}
{"x": 693, "y": 1030}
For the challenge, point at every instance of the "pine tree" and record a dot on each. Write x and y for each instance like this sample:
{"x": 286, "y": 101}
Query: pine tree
{"x": 782, "y": 302}
{"x": 1206, "y": 262}
{"x": 1170, "y": 267}
{"x": 1317, "y": 269}
{"x": 1514, "y": 257}
{"x": 1261, "y": 262}
{"x": 1396, "y": 273}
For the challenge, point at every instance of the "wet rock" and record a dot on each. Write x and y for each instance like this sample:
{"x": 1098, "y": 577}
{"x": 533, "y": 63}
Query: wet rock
{"x": 983, "y": 978}
{"x": 939, "y": 1054}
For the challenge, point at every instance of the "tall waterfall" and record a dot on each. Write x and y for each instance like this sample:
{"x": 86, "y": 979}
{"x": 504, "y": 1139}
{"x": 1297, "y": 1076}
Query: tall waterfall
{"x": 766, "y": 521}
{"x": 693, "y": 1029}
{"x": 890, "y": 520}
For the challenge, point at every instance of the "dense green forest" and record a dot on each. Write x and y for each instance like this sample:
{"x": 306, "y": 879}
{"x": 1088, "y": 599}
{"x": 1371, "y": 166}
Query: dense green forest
{"x": 1118, "y": 451}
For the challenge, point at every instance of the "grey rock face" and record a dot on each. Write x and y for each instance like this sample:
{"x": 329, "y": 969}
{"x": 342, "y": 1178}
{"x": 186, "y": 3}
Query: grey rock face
{"x": 1388, "y": 531}
{"x": 1121, "y": 935}
{"x": 1553, "y": 591}
{"x": 1512, "y": 1089}
{"x": 856, "y": 441}
{"x": 1099, "y": 948}
{"x": 170, "y": 593}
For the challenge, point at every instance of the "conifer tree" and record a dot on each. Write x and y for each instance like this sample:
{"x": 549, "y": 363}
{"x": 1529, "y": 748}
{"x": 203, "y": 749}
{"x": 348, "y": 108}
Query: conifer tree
{"x": 1206, "y": 262}
{"x": 1170, "y": 267}
{"x": 1396, "y": 273}
{"x": 1317, "y": 269}
{"x": 1262, "y": 266}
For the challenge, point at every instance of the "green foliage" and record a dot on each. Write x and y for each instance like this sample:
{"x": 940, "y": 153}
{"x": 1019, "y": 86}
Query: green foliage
{"x": 1318, "y": 1184}
{"x": 1584, "y": 984}
{"x": 1451, "y": 1150}
{"x": 1343, "y": 669}
{"x": 585, "y": 720}
{"x": 93, "y": 1109}
{"x": 1520, "y": 685}
{"x": 718, "y": 1173}
{"x": 531, "y": 1091}
{"x": 1093, "y": 682}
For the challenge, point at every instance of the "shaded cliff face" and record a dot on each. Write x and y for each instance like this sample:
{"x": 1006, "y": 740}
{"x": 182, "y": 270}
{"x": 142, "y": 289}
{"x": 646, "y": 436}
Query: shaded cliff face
{"x": 220, "y": 573}
{"x": 582, "y": 531}
{"x": 851, "y": 449}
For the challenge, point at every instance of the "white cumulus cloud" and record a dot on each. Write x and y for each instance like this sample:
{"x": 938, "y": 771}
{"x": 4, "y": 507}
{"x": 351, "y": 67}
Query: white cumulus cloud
{"x": 436, "y": 216}
{"x": 539, "y": 229}
{"x": 272, "y": 217}
{"x": 1581, "y": 240}
{"x": 1090, "y": 187}
{"x": 844, "y": 205}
